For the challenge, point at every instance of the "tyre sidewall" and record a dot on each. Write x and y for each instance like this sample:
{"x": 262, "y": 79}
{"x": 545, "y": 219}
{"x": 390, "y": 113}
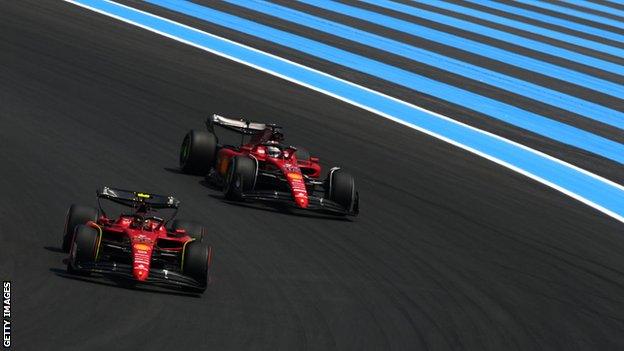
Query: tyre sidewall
{"x": 196, "y": 262}
{"x": 241, "y": 177}
{"x": 85, "y": 245}
{"x": 77, "y": 214}
{"x": 198, "y": 152}
{"x": 342, "y": 189}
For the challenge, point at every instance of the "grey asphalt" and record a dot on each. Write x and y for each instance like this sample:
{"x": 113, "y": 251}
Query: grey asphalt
{"x": 450, "y": 251}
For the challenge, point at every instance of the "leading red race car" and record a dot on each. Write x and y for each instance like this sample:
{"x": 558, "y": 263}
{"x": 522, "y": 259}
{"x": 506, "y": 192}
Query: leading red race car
{"x": 137, "y": 245}
{"x": 262, "y": 168}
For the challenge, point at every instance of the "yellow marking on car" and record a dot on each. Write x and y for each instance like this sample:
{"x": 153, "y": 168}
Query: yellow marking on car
{"x": 223, "y": 165}
{"x": 183, "y": 250}
{"x": 97, "y": 250}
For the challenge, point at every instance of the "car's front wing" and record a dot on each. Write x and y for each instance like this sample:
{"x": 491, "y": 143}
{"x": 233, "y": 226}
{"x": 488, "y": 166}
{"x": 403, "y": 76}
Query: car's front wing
{"x": 160, "y": 277}
{"x": 315, "y": 203}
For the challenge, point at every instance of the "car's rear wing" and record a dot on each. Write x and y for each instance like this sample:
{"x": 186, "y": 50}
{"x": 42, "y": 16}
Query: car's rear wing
{"x": 134, "y": 198}
{"x": 241, "y": 126}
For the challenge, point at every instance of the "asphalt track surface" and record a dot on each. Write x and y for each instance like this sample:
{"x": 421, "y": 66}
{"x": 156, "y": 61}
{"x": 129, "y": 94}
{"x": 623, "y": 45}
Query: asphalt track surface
{"x": 450, "y": 251}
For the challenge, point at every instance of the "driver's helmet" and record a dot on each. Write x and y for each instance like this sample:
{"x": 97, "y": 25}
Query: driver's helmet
{"x": 137, "y": 222}
{"x": 147, "y": 224}
{"x": 273, "y": 151}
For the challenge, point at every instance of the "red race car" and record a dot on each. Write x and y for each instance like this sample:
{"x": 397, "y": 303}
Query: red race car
{"x": 260, "y": 167}
{"x": 137, "y": 245}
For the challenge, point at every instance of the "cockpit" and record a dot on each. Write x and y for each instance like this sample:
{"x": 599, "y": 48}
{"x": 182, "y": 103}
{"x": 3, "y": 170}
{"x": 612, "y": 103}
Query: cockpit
{"x": 273, "y": 151}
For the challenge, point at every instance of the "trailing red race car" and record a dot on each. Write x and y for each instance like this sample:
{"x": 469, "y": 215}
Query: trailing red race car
{"x": 262, "y": 168}
{"x": 137, "y": 245}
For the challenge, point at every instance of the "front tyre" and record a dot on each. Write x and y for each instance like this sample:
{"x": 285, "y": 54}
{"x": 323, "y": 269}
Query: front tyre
{"x": 77, "y": 214}
{"x": 198, "y": 152}
{"x": 197, "y": 259}
{"x": 84, "y": 249}
{"x": 241, "y": 177}
{"x": 341, "y": 190}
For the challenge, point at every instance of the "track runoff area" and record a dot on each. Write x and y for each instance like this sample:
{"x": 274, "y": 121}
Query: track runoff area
{"x": 591, "y": 189}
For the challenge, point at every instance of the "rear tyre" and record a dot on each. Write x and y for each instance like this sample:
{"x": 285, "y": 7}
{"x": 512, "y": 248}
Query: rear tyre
{"x": 197, "y": 153}
{"x": 193, "y": 229}
{"x": 84, "y": 248}
{"x": 341, "y": 189}
{"x": 197, "y": 256}
{"x": 241, "y": 177}
{"x": 77, "y": 214}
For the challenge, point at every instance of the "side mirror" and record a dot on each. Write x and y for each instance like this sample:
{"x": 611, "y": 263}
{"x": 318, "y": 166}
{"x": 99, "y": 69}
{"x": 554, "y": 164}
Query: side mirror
{"x": 180, "y": 232}
{"x": 314, "y": 159}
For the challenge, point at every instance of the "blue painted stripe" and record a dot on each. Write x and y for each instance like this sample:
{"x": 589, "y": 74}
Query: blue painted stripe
{"x": 548, "y": 96}
{"x": 615, "y": 2}
{"x": 574, "y": 13}
{"x": 490, "y": 107}
{"x": 589, "y": 44}
{"x": 599, "y": 192}
{"x": 579, "y": 27}
{"x": 474, "y": 47}
{"x": 597, "y": 7}
{"x": 500, "y": 35}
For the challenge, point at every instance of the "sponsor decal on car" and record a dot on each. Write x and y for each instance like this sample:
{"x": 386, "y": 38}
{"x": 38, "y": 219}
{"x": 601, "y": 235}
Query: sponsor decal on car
{"x": 143, "y": 247}
{"x": 142, "y": 239}
{"x": 291, "y": 168}
{"x": 295, "y": 176}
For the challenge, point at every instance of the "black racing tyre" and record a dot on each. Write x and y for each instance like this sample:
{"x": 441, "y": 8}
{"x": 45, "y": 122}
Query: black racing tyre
{"x": 85, "y": 246}
{"x": 193, "y": 229}
{"x": 77, "y": 214}
{"x": 241, "y": 177}
{"x": 302, "y": 154}
{"x": 196, "y": 262}
{"x": 341, "y": 189}
{"x": 198, "y": 152}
